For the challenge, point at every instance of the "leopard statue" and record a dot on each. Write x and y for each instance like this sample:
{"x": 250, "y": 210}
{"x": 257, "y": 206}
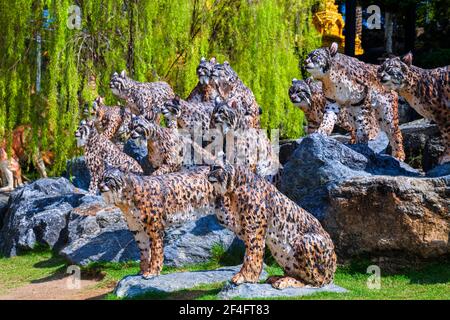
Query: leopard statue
{"x": 152, "y": 203}
{"x": 260, "y": 215}
{"x": 168, "y": 150}
{"x": 308, "y": 96}
{"x": 188, "y": 115}
{"x": 242, "y": 145}
{"x": 97, "y": 150}
{"x": 145, "y": 98}
{"x": 352, "y": 84}
{"x": 205, "y": 90}
{"x": 112, "y": 121}
{"x": 230, "y": 87}
{"x": 427, "y": 91}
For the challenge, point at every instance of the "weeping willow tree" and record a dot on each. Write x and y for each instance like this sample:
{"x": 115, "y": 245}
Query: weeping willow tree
{"x": 51, "y": 67}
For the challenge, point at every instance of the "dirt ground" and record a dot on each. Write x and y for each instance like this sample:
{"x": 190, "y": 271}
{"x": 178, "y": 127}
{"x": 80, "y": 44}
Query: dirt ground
{"x": 57, "y": 288}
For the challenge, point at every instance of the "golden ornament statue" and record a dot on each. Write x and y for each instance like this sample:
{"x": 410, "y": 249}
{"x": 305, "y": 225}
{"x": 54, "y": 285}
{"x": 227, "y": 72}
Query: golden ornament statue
{"x": 330, "y": 25}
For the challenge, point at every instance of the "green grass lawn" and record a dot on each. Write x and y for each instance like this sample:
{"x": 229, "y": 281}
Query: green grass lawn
{"x": 431, "y": 281}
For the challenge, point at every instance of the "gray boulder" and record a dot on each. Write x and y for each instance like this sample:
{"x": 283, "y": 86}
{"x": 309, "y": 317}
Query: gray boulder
{"x": 97, "y": 232}
{"x": 78, "y": 173}
{"x": 263, "y": 290}
{"x": 321, "y": 162}
{"x": 4, "y": 198}
{"x": 191, "y": 242}
{"x": 422, "y": 143}
{"x": 37, "y": 214}
{"x": 371, "y": 204}
{"x": 134, "y": 286}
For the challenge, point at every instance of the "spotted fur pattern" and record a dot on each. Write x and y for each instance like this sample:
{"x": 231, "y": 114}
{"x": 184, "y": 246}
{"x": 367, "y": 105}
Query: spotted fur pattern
{"x": 260, "y": 215}
{"x": 145, "y": 98}
{"x": 168, "y": 150}
{"x": 152, "y": 203}
{"x": 205, "y": 90}
{"x": 250, "y": 147}
{"x": 427, "y": 91}
{"x": 308, "y": 96}
{"x": 188, "y": 115}
{"x": 231, "y": 88}
{"x": 353, "y": 84}
{"x": 98, "y": 149}
{"x": 112, "y": 121}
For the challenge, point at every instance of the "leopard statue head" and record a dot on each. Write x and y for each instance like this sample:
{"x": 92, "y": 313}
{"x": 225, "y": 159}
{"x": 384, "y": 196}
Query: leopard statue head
{"x": 224, "y": 116}
{"x": 172, "y": 109}
{"x": 205, "y": 69}
{"x": 111, "y": 184}
{"x": 142, "y": 128}
{"x": 224, "y": 75}
{"x": 84, "y": 132}
{"x": 319, "y": 61}
{"x": 120, "y": 84}
{"x": 300, "y": 93}
{"x": 221, "y": 177}
{"x": 393, "y": 72}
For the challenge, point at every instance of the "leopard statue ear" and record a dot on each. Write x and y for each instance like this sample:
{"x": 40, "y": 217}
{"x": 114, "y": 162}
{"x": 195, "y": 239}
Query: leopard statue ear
{"x": 407, "y": 58}
{"x": 203, "y": 59}
{"x": 333, "y": 49}
{"x": 123, "y": 74}
{"x": 212, "y": 60}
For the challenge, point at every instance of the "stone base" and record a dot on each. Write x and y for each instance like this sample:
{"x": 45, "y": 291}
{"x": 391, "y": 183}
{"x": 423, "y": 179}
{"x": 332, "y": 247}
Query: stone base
{"x": 133, "y": 286}
{"x": 256, "y": 290}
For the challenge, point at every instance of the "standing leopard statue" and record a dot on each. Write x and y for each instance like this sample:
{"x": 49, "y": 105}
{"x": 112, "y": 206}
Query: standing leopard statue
{"x": 308, "y": 96}
{"x": 145, "y": 98}
{"x": 150, "y": 204}
{"x": 427, "y": 92}
{"x": 353, "y": 84}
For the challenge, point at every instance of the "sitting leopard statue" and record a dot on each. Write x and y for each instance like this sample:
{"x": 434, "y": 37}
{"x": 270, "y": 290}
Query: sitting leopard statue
{"x": 426, "y": 91}
{"x": 260, "y": 215}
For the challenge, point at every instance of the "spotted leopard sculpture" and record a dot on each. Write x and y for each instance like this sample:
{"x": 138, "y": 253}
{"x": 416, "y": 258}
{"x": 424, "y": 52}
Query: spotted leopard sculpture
{"x": 231, "y": 88}
{"x": 308, "y": 96}
{"x": 168, "y": 150}
{"x": 427, "y": 91}
{"x": 205, "y": 90}
{"x": 112, "y": 121}
{"x": 250, "y": 147}
{"x": 145, "y": 98}
{"x": 97, "y": 150}
{"x": 188, "y": 115}
{"x": 260, "y": 215}
{"x": 353, "y": 84}
{"x": 152, "y": 203}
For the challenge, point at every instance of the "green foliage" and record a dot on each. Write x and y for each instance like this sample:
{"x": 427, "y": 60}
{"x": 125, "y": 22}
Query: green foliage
{"x": 153, "y": 40}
